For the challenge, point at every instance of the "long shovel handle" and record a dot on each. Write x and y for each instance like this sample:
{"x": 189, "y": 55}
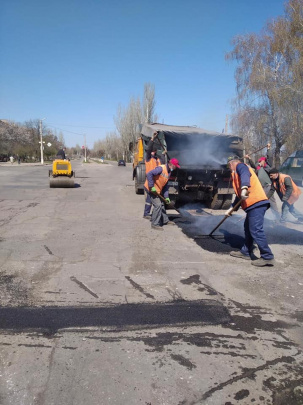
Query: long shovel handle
{"x": 257, "y": 150}
{"x": 160, "y": 196}
{"x": 226, "y": 216}
{"x": 164, "y": 149}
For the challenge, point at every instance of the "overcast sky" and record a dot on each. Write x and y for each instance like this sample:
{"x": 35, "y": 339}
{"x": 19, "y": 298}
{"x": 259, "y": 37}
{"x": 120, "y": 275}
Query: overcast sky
{"x": 74, "y": 61}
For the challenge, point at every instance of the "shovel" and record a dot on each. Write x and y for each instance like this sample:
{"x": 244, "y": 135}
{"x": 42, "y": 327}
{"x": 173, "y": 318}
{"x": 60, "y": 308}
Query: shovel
{"x": 162, "y": 146}
{"x": 160, "y": 196}
{"x": 257, "y": 150}
{"x": 221, "y": 222}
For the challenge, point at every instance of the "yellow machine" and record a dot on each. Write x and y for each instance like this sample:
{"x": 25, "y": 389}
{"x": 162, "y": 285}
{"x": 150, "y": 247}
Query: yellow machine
{"x": 139, "y": 166}
{"x": 61, "y": 174}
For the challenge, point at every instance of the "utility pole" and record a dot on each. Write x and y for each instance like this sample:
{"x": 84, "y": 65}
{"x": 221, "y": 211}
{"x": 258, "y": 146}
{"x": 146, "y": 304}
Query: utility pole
{"x": 41, "y": 140}
{"x": 84, "y": 148}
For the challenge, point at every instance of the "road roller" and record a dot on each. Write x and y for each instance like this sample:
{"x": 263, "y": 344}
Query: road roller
{"x": 61, "y": 174}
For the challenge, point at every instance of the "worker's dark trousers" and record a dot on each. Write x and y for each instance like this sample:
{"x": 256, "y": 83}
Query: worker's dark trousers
{"x": 273, "y": 204}
{"x": 290, "y": 208}
{"x": 253, "y": 228}
{"x": 159, "y": 216}
{"x": 148, "y": 204}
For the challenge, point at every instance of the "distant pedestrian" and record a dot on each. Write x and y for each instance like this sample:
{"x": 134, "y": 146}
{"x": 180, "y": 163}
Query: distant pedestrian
{"x": 156, "y": 186}
{"x": 288, "y": 193}
{"x": 254, "y": 202}
{"x": 11, "y": 159}
{"x": 19, "y": 160}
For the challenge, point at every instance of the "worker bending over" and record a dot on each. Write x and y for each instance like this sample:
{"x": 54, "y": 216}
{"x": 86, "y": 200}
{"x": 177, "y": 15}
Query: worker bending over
{"x": 156, "y": 186}
{"x": 151, "y": 162}
{"x": 254, "y": 202}
{"x": 288, "y": 193}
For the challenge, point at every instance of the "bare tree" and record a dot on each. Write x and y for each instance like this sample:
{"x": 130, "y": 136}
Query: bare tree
{"x": 127, "y": 123}
{"x": 61, "y": 139}
{"x": 268, "y": 103}
{"x": 149, "y": 103}
{"x": 113, "y": 146}
{"x": 129, "y": 119}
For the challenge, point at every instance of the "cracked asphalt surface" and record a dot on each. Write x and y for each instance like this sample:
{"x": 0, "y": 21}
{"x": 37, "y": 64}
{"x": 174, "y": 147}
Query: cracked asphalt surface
{"x": 98, "y": 308}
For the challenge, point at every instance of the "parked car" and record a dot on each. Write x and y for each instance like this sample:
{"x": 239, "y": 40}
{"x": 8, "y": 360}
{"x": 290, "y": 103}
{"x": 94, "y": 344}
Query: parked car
{"x": 4, "y": 158}
{"x": 121, "y": 162}
{"x": 293, "y": 166}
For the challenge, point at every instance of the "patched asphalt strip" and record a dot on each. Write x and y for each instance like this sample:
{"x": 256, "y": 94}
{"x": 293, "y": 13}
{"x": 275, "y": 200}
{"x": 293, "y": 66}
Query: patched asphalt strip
{"x": 160, "y": 314}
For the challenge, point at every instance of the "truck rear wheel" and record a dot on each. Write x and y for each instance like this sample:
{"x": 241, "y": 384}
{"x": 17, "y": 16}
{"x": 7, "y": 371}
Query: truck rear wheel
{"x": 227, "y": 201}
{"x": 137, "y": 189}
{"x": 217, "y": 202}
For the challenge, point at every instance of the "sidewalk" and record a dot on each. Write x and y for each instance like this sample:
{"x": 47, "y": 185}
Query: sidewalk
{"x": 23, "y": 164}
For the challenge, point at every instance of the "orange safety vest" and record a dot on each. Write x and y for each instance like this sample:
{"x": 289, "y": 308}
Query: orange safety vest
{"x": 151, "y": 164}
{"x": 256, "y": 192}
{"x": 160, "y": 180}
{"x": 295, "y": 189}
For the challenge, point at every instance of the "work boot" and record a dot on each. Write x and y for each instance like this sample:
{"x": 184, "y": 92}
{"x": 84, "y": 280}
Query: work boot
{"x": 169, "y": 223}
{"x": 147, "y": 217}
{"x": 239, "y": 255}
{"x": 157, "y": 227}
{"x": 262, "y": 262}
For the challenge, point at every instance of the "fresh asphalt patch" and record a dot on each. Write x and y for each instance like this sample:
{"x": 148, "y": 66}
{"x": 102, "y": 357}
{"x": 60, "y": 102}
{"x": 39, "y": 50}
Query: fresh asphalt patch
{"x": 121, "y": 316}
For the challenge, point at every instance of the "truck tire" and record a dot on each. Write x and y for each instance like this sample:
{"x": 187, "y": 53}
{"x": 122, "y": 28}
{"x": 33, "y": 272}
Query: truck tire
{"x": 217, "y": 202}
{"x": 228, "y": 198}
{"x": 139, "y": 179}
{"x": 137, "y": 189}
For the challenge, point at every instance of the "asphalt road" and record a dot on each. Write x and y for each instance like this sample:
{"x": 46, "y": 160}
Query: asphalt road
{"x": 98, "y": 308}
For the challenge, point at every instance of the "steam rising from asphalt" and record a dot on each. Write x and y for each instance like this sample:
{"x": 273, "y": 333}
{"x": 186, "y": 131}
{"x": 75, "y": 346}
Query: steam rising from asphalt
{"x": 209, "y": 151}
{"x": 202, "y": 221}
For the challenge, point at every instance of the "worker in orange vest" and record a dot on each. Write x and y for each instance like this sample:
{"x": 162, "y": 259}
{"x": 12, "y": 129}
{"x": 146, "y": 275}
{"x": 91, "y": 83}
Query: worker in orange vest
{"x": 151, "y": 162}
{"x": 288, "y": 193}
{"x": 156, "y": 186}
{"x": 262, "y": 169}
{"x": 254, "y": 202}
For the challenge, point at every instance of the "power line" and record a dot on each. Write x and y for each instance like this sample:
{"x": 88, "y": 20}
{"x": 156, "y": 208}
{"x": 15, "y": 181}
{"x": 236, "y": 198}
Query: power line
{"x": 81, "y": 126}
{"x": 65, "y": 130}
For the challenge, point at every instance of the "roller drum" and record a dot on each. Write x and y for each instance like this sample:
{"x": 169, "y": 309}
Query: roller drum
{"x": 61, "y": 182}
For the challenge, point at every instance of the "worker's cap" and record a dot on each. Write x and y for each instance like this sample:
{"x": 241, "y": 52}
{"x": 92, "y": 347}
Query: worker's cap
{"x": 231, "y": 158}
{"x": 262, "y": 158}
{"x": 175, "y": 162}
{"x": 273, "y": 171}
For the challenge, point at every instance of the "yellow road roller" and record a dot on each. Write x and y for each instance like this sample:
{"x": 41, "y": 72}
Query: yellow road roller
{"x": 61, "y": 174}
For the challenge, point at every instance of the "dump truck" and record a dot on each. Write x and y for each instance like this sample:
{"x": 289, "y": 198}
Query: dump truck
{"x": 202, "y": 154}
